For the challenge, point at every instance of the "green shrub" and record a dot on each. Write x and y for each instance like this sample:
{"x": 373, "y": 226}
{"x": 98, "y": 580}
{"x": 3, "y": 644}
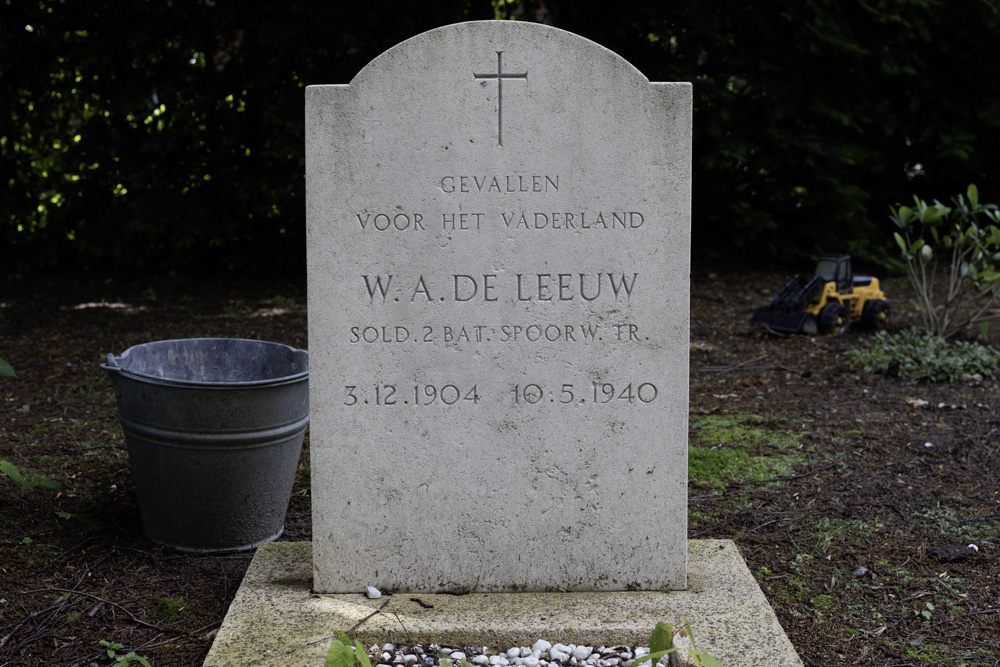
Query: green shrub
{"x": 952, "y": 257}
{"x": 915, "y": 353}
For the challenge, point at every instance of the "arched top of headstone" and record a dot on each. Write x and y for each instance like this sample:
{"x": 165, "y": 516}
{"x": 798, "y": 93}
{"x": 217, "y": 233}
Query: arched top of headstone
{"x": 508, "y": 85}
{"x": 458, "y": 42}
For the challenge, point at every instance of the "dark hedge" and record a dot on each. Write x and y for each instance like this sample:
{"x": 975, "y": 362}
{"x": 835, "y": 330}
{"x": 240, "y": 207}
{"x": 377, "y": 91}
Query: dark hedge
{"x": 167, "y": 137}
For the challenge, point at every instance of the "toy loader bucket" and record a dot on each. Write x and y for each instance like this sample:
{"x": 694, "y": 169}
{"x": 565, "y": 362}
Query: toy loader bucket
{"x": 783, "y": 319}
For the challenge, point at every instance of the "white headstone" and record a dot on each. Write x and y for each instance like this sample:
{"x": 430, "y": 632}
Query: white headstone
{"x": 498, "y": 257}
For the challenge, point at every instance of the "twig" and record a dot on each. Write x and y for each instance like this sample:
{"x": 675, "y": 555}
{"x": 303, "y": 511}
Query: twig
{"x": 799, "y": 476}
{"x": 766, "y": 523}
{"x": 55, "y": 609}
{"x": 90, "y": 657}
{"x": 700, "y": 532}
{"x": 17, "y": 540}
{"x": 321, "y": 639}
{"x": 718, "y": 496}
{"x": 4, "y": 639}
{"x": 208, "y": 627}
{"x": 132, "y": 617}
{"x": 146, "y": 644}
{"x": 728, "y": 369}
{"x": 409, "y": 640}
{"x": 788, "y": 478}
{"x": 780, "y": 334}
{"x": 789, "y": 369}
{"x": 362, "y": 621}
{"x": 70, "y": 550}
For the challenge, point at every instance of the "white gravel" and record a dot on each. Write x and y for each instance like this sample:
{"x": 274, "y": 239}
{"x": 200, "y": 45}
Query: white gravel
{"x": 541, "y": 654}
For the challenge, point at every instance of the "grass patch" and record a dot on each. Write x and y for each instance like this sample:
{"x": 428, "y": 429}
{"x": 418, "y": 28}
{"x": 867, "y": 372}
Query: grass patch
{"x": 740, "y": 448}
{"x": 950, "y": 523}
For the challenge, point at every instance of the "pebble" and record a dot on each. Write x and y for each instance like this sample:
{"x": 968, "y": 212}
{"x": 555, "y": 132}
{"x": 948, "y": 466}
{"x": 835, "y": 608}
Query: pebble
{"x": 374, "y": 593}
{"x": 541, "y": 654}
{"x": 541, "y": 645}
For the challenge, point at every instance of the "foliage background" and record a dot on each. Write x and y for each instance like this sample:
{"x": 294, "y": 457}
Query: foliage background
{"x": 167, "y": 136}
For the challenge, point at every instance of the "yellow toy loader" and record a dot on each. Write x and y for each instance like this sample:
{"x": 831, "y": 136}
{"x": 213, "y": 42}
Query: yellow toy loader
{"x": 827, "y": 302}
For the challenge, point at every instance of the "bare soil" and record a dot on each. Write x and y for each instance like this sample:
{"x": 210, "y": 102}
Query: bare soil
{"x": 860, "y": 546}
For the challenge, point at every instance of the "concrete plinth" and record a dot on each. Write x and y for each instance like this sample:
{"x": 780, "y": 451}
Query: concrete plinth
{"x": 275, "y": 619}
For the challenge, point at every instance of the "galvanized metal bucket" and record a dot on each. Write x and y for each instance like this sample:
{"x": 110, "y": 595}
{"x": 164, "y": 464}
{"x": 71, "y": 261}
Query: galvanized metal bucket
{"x": 214, "y": 428}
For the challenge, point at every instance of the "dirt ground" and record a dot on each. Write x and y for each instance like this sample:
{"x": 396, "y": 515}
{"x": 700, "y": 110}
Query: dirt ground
{"x": 843, "y": 491}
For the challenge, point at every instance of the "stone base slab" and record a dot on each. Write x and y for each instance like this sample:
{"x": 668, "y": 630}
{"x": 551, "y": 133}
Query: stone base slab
{"x": 275, "y": 619}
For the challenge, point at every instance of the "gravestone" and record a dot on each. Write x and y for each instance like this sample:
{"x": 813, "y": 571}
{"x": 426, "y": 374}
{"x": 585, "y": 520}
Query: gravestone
{"x": 498, "y": 257}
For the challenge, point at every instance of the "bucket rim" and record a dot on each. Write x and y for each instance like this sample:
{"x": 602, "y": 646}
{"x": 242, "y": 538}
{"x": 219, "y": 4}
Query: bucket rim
{"x": 112, "y": 366}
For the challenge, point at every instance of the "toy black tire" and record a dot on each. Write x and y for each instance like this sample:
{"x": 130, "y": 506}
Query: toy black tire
{"x": 834, "y": 319}
{"x": 876, "y": 314}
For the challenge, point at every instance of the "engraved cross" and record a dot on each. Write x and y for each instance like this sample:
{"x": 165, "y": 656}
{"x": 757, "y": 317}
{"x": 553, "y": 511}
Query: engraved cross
{"x": 500, "y": 76}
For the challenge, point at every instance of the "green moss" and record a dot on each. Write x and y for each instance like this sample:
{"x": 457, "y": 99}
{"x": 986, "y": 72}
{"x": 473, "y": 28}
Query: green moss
{"x": 822, "y": 602}
{"x": 300, "y": 583}
{"x": 949, "y": 522}
{"x": 741, "y": 448}
{"x": 169, "y": 609}
{"x": 928, "y": 654}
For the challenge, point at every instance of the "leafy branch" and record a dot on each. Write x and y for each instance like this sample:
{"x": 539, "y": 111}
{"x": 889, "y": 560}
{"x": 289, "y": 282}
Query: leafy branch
{"x": 661, "y": 643}
{"x": 27, "y": 479}
{"x": 344, "y": 653}
{"x": 958, "y": 246}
